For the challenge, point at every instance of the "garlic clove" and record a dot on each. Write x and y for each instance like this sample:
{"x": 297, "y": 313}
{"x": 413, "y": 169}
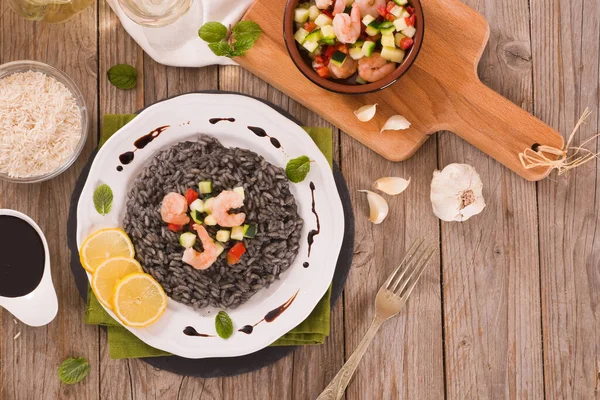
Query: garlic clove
{"x": 457, "y": 193}
{"x": 391, "y": 185}
{"x": 395, "y": 123}
{"x": 366, "y": 113}
{"x": 378, "y": 207}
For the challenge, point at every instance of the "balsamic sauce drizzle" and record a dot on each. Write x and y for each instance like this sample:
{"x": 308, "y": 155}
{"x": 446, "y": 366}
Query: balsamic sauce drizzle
{"x": 217, "y": 120}
{"x": 306, "y": 264}
{"x": 271, "y": 315}
{"x": 140, "y": 143}
{"x": 191, "y": 331}
{"x": 314, "y": 232}
{"x": 260, "y": 132}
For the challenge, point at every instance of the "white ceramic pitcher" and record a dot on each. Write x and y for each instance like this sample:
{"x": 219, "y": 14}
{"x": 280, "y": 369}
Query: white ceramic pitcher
{"x": 40, "y": 306}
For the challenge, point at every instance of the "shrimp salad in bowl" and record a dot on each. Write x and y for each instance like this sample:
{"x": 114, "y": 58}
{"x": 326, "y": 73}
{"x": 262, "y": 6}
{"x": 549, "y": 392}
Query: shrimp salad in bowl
{"x": 355, "y": 41}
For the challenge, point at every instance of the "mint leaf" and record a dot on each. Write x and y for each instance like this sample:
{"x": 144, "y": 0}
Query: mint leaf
{"x": 221, "y": 49}
{"x": 223, "y": 325}
{"x": 212, "y": 32}
{"x": 297, "y": 169}
{"x": 103, "y": 198}
{"x": 73, "y": 370}
{"x": 248, "y": 30}
{"x": 242, "y": 45}
{"x": 123, "y": 76}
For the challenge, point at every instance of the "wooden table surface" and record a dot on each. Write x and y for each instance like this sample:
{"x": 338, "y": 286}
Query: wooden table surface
{"x": 509, "y": 309}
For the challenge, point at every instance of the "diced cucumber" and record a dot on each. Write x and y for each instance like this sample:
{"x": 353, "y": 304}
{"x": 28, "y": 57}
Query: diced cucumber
{"x": 409, "y": 31}
{"x": 301, "y": 15}
{"x": 368, "y": 48}
{"x": 328, "y": 32}
{"x": 313, "y": 12}
{"x": 400, "y": 24}
{"x": 338, "y": 58}
{"x": 387, "y": 40}
{"x": 195, "y": 214}
{"x": 304, "y": 5}
{"x": 358, "y": 43}
{"x": 205, "y": 187}
{"x": 310, "y": 46}
{"x": 210, "y": 220}
{"x": 372, "y": 31}
{"x": 360, "y": 80}
{"x": 249, "y": 231}
{"x": 368, "y": 19}
{"x": 401, "y": 2}
{"x": 208, "y": 205}
{"x": 237, "y": 233}
{"x": 223, "y": 235}
{"x": 197, "y": 205}
{"x": 329, "y": 42}
{"x": 187, "y": 240}
{"x": 240, "y": 190}
{"x": 392, "y": 54}
{"x": 405, "y": 14}
{"x": 323, "y": 20}
{"x": 301, "y": 35}
{"x": 388, "y": 31}
{"x": 398, "y": 37}
{"x": 314, "y": 36}
{"x": 220, "y": 248}
{"x": 396, "y": 11}
{"x": 356, "y": 53}
{"x": 384, "y": 25}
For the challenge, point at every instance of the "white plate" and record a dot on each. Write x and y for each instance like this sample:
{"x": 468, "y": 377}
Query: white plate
{"x": 187, "y": 116}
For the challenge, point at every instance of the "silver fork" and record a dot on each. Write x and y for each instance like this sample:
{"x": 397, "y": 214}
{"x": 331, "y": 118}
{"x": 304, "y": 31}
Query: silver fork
{"x": 389, "y": 301}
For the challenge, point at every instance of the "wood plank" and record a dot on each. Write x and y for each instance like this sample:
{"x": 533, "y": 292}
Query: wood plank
{"x": 29, "y": 363}
{"x": 491, "y": 267}
{"x": 405, "y": 359}
{"x": 566, "y": 68}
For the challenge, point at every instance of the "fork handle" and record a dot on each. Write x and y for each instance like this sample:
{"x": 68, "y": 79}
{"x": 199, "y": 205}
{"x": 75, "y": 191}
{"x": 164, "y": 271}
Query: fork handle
{"x": 336, "y": 388}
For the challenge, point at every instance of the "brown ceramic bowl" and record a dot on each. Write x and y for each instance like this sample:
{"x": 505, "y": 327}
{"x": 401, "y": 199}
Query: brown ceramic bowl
{"x": 339, "y": 86}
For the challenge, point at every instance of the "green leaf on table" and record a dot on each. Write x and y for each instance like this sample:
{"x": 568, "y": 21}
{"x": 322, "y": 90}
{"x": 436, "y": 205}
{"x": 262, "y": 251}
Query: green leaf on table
{"x": 123, "y": 76}
{"x": 212, "y": 32}
{"x": 297, "y": 169}
{"x": 103, "y": 198}
{"x": 223, "y": 325}
{"x": 73, "y": 370}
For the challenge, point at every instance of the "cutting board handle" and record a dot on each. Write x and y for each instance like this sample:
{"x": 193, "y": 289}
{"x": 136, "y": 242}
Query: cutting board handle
{"x": 499, "y": 127}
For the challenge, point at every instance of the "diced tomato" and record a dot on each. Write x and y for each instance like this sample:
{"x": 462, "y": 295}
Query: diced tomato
{"x": 382, "y": 11}
{"x": 410, "y": 10}
{"x": 235, "y": 253}
{"x": 175, "y": 227}
{"x": 390, "y": 5}
{"x": 410, "y": 21}
{"x": 328, "y": 51}
{"x": 310, "y": 26}
{"x": 323, "y": 72}
{"x": 390, "y": 17}
{"x": 328, "y": 13}
{"x": 320, "y": 59}
{"x": 406, "y": 43}
{"x": 191, "y": 195}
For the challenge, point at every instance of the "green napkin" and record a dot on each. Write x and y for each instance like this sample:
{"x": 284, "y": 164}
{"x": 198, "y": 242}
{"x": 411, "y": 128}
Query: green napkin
{"x": 124, "y": 344}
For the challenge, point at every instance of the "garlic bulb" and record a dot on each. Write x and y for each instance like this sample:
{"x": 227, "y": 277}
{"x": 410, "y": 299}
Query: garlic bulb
{"x": 395, "y": 123}
{"x": 366, "y": 113}
{"x": 456, "y": 193}
{"x": 377, "y": 205}
{"x": 391, "y": 185}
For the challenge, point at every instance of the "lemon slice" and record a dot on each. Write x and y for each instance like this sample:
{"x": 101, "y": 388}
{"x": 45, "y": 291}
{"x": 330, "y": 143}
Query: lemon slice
{"x": 108, "y": 274}
{"x": 139, "y": 300}
{"x": 104, "y": 244}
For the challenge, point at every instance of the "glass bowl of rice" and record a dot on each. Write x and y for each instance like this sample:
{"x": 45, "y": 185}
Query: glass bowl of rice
{"x": 43, "y": 122}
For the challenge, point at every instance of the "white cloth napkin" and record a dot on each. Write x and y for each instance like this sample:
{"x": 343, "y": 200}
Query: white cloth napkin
{"x": 178, "y": 44}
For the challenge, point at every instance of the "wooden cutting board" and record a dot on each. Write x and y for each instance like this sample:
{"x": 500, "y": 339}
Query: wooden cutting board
{"x": 441, "y": 91}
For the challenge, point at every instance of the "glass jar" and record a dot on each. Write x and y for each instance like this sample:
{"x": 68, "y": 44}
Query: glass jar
{"x": 155, "y": 13}
{"x": 52, "y": 11}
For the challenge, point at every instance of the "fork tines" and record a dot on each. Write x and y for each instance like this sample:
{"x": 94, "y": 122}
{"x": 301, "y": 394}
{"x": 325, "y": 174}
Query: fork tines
{"x": 402, "y": 281}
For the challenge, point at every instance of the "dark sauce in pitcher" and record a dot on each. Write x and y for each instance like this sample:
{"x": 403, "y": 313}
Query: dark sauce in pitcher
{"x": 22, "y": 257}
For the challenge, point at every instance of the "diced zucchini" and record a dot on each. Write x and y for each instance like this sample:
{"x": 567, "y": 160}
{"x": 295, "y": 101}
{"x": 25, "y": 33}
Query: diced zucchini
{"x": 249, "y": 231}
{"x": 323, "y": 20}
{"x": 392, "y": 54}
{"x": 187, "y": 240}
{"x": 368, "y": 19}
{"x": 401, "y": 2}
{"x": 314, "y": 36}
{"x": 328, "y": 32}
{"x": 398, "y": 37}
{"x": 387, "y": 40}
{"x": 360, "y": 80}
{"x": 338, "y": 58}
{"x": 310, "y": 46}
{"x": 195, "y": 214}
{"x": 197, "y": 205}
{"x": 372, "y": 31}
{"x": 329, "y": 42}
{"x": 356, "y": 53}
{"x": 208, "y": 205}
{"x": 220, "y": 248}
{"x": 210, "y": 220}
{"x": 368, "y": 48}
{"x": 301, "y": 15}
{"x": 400, "y": 24}
{"x": 240, "y": 190}
{"x": 409, "y": 31}
{"x": 205, "y": 187}
{"x": 237, "y": 233}
{"x": 301, "y": 35}
{"x": 313, "y": 12}
{"x": 396, "y": 11}
{"x": 223, "y": 235}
